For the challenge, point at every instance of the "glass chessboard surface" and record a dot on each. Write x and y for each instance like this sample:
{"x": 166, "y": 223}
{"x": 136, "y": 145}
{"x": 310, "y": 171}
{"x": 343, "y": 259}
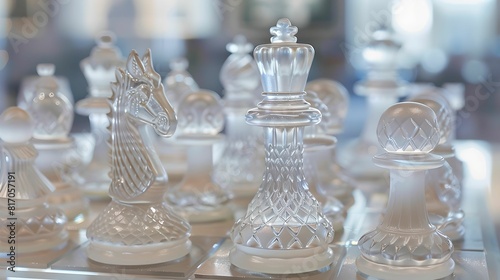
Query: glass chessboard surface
{"x": 475, "y": 256}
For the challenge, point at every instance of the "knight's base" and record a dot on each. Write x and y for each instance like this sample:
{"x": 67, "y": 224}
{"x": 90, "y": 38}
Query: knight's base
{"x": 280, "y": 261}
{"x": 138, "y": 255}
{"x": 77, "y": 262}
{"x": 391, "y": 272}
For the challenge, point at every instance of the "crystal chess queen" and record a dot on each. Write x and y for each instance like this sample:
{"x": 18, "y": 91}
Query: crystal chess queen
{"x": 138, "y": 227}
{"x": 283, "y": 230}
{"x": 406, "y": 245}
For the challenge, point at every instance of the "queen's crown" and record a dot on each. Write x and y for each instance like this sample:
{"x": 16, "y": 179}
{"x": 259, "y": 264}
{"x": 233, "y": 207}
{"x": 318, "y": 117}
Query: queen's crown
{"x": 284, "y": 64}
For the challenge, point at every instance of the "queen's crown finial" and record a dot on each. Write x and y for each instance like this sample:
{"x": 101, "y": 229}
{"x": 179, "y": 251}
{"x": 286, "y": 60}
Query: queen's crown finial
{"x": 283, "y": 32}
{"x": 408, "y": 128}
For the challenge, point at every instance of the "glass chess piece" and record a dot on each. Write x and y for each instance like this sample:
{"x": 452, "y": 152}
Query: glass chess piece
{"x": 178, "y": 83}
{"x": 453, "y": 93}
{"x": 382, "y": 88}
{"x": 283, "y": 230}
{"x": 239, "y": 169}
{"x": 52, "y": 114}
{"x": 39, "y": 226}
{"x": 443, "y": 188}
{"x": 99, "y": 70}
{"x": 405, "y": 245}
{"x": 318, "y": 148}
{"x": 197, "y": 197}
{"x": 334, "y": 95}
{"x": 138, "y": 227}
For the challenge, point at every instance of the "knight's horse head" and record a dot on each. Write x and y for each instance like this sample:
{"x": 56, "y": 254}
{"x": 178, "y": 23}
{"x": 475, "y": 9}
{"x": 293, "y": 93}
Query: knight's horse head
{"x": 148, "y": 103}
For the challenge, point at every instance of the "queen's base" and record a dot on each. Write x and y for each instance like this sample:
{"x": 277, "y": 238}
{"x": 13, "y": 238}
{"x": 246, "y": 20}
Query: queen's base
{"x": 280, "y": 261}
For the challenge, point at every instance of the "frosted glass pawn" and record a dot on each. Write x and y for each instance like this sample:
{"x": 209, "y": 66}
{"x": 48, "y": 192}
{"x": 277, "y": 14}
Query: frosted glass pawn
{"x": 239, "y": 169}
{"x": 38, "y": 225}
{"x": 337, "y": 181}
{"x": 137, "y": 227}
{"x": 318, "y": 148}
{"x": 443, "y": 188}
{"x": 52, "y": 113}
{"x": 178, "y": 84}
{"x": 99, "y": 71}
{"x": 284, "y": 230}
{"x": 405, "y": 245}
{"x": 382, "y": 88}
{"x": 197, "y": 197}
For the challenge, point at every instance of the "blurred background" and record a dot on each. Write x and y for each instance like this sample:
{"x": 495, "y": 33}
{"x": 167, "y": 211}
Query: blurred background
{"x": 444, "y": 41}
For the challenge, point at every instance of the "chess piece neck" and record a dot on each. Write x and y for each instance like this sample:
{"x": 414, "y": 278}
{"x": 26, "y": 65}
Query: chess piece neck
{"x": 407, "y": 187}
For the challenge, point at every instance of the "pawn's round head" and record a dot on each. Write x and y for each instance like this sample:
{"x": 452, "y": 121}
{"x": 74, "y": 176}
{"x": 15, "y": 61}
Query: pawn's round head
{"x": 16, "y": 125}
{"x": 443, "y": 112}
{"x": 200, "y": 113}
{"x": 408, "y": 128}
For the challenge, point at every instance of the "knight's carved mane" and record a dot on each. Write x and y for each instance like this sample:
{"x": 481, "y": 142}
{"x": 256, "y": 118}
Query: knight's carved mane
{"x": 132, "y": 171}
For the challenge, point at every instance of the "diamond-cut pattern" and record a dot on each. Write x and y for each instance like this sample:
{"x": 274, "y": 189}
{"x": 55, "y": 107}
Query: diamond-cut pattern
{"x": 411, "y": 250}
{"x": 407, "y": 134}
{"x": 283, "y": 214}
{"x": 139, "y": 224}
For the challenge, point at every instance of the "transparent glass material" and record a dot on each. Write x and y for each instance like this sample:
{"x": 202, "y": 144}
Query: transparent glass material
{"x": 52, "y": 115}
{"x": 405, "y": 242}
{"x": 443, "y": 187}
{"x": 51, "y": 108}
{"x": 239, "y": 169}
{"x": 99, "y": 70}
{"x": 382, "y": 88}
{"x": 138, "y": 227}
{"x": 197, "y": 197}
{"x": 38, "y": 225}
{"x": 178, "y": 82}
{"x": 284, "y": 226}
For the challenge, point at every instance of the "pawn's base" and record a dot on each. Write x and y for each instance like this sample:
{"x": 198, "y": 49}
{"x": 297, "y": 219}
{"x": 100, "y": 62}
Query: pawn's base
{"x": 391, "y": 272}
{"x": 195, "y": 215}
{"x": 138, "y": 254}
{"x": 281, "y": 261}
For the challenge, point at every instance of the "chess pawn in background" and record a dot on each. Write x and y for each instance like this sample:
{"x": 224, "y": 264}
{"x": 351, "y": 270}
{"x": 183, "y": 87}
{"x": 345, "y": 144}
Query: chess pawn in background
{"x": 197, "y": 197}
{"x": 283, "y": 230}
{"x": 52, "y": 115}
{"x": 318, "y": 147}
{"x": 99, "y": 70}
{"x": 338, "y": 182}
{"x": 453, "y": 94}
{"x": 138, "y": 227}
{"x": 239, "y": 169}
{"x": 178, "y": 84}
{"x": 39, "y": 226}
{"x": 443, "y": 188}
{"x": 406, "y": 245}
{"x": 382, "y": 88}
